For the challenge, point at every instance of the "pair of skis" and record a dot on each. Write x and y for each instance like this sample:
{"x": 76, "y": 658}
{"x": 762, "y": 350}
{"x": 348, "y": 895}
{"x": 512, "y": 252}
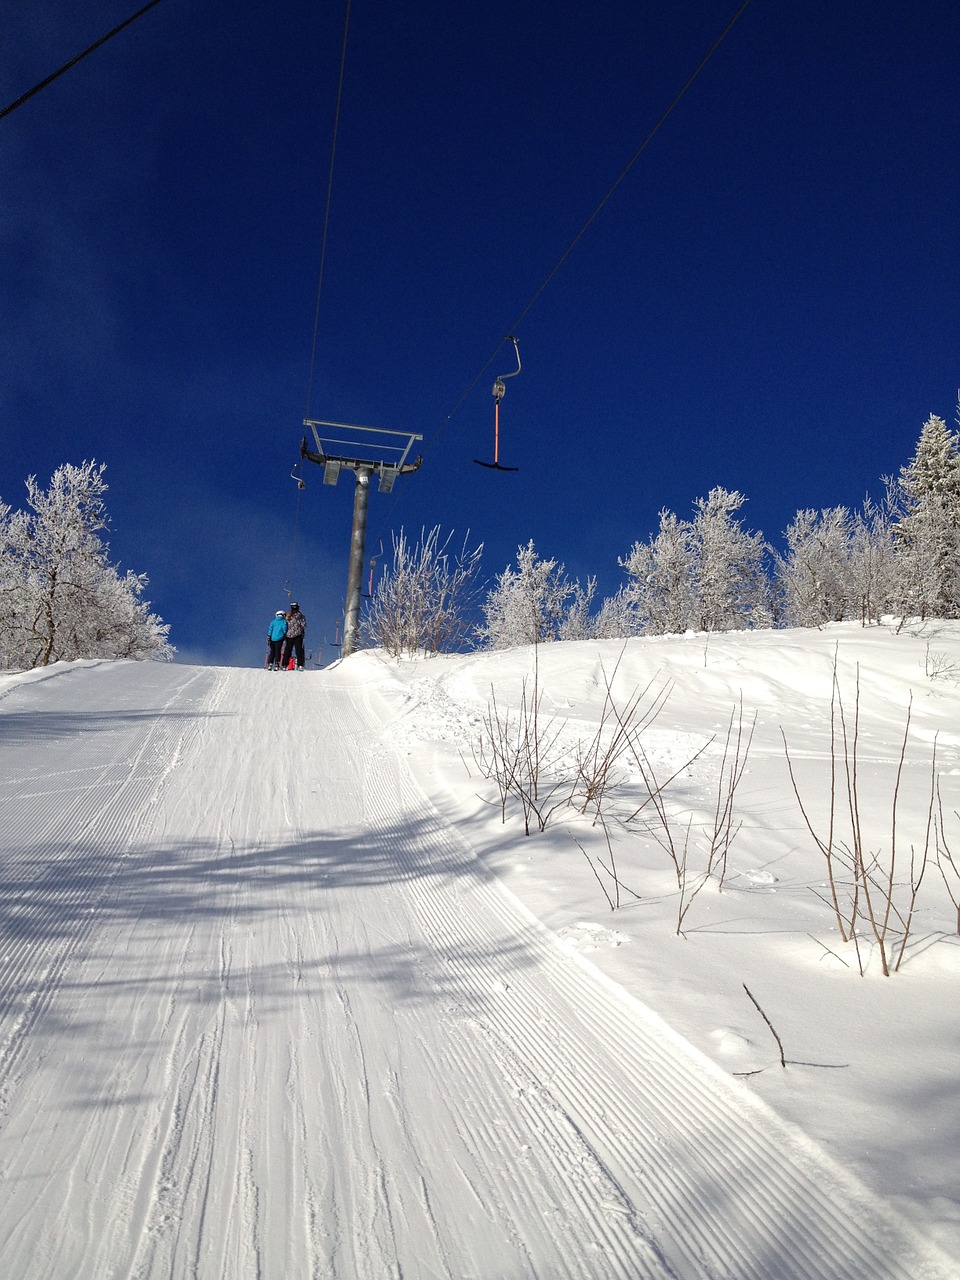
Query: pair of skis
{"x": 291, "y": 665}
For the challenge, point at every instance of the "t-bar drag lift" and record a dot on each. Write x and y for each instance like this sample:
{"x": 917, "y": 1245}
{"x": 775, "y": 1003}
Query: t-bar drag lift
{"x": 498, "y": 393}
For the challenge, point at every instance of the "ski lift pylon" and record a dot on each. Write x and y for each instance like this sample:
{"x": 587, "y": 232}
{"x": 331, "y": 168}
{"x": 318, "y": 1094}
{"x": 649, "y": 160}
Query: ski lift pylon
{"x": 499, "y": 389}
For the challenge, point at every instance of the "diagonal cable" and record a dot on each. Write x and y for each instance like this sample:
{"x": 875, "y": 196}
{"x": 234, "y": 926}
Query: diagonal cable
{"x": 25, "y": 97}
{"x": 593, "y": 216}
{"x": 326, "y": 214}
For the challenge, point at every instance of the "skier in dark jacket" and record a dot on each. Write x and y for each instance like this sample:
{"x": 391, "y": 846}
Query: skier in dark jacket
{"x": 275, "y": 633}
{"x": 296, "y": 628}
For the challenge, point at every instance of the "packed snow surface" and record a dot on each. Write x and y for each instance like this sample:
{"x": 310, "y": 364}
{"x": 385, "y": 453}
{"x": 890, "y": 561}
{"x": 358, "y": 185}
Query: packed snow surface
{"x": 286, "y": 990}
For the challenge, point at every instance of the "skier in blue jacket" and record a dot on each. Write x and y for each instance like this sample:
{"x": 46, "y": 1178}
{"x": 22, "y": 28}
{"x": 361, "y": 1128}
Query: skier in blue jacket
{"x": 275, "y": 634}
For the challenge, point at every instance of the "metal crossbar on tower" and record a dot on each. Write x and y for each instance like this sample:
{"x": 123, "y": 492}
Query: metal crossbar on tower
{"x": 367, "y": 452}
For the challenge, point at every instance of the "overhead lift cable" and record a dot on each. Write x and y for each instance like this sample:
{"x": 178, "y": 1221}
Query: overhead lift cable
{"x": 593, "y": 216}
{"x": 658, "y": 125}
{"x": 351, "y": 621}
{"x": 25, "y": 97}
{"x": 297, "y": 473}
{"x": 326, "y": 212}
{"x": 628, "y": 166}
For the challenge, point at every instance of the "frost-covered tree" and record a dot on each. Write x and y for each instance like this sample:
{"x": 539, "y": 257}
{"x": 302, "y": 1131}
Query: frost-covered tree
{"x": 816, "y": 573}
{"x": 926, "y": 528}
{"x": 731, "y": 588}
{"x": 660, "y": 589}
{"x": 873, "y": 570}
{"x": 60, "y": 597}
{"x": 529, "y": 603}
{"x": 578, "y": 623}
{"x": 14, "y": 622}
{"x": 618, "y": 617}
{"x": 424, "y": 602}
{"x": 704, "y": 574}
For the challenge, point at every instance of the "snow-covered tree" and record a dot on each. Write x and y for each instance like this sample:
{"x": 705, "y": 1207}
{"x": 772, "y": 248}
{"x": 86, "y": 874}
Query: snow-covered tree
{"x": 926, "y": 528}
{"x": 60, "y": 597}
{"x": 705, "y": 574}
{"x": 873, "y": 570}
{"x": 424, "y": 601}
{"x": 618, "y": 617}
{"x": 529, "y": 603}
{"x": 731, "y": 588}
{"x": 660, "y": 590}
{"x": 816, "y": 573}
{"x": 14, "y": 626}
{"x": 578, "y": 623}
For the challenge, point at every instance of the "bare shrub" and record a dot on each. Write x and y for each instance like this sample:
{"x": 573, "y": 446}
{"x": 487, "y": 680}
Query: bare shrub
{"x": 424, "y": 601}
{"x": 524, "y": 752}
{"x": 946, "y": 862}
{"x": 617, "y": 736}
{"x": 696, "y": 850}
{"x": 939, "y": 666}
{"x": 868, "y": 896}
{"x": 609, "y": 869}
{"x": 521, "y": 754}
{"x": 736, "y": 750}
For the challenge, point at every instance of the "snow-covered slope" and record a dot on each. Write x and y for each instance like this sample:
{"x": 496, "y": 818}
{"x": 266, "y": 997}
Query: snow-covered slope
{"x": 266, "y": 1009}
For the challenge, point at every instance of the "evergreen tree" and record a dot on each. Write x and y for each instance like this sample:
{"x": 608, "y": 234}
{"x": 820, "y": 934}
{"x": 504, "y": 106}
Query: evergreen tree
{"x": 926, "y": 529}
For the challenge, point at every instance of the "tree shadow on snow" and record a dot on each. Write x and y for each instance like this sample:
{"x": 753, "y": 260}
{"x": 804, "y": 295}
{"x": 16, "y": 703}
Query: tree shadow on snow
{"x": 403, "y": 907}
{"x": 34, "y": 726}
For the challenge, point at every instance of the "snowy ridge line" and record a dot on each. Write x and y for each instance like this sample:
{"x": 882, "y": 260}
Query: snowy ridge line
{"x": 853, "y": 1230}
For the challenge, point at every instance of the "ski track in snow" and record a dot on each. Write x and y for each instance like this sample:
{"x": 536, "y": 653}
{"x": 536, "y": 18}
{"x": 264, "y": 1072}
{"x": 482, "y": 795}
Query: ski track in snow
{"x": 261, "y": 1022}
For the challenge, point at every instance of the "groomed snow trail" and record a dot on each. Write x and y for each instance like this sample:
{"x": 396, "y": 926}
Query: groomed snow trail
{"x": 263, "y": 1015}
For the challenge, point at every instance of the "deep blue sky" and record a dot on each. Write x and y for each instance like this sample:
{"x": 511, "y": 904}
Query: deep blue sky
{"x": 769, "y": 302}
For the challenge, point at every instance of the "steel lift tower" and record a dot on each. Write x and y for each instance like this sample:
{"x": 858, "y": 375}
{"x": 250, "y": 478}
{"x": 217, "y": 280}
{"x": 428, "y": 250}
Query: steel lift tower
{"x": 367, "y": 452}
